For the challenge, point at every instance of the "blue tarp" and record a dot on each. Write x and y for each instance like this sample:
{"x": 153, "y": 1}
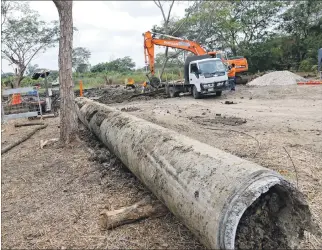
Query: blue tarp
{"x": 34, "y": 92}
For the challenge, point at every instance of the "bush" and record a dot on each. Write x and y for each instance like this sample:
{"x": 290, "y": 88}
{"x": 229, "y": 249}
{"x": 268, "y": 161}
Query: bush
{"x": 306, "y": 65}
{"x": 28, "y": 81}
{"x": 314, "y": 68}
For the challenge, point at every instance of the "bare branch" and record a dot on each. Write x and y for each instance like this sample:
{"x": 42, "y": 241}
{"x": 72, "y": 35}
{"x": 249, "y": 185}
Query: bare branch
{"x": 187, "y": 17}
{"x": 33, "y": 55}
{"x": 169, "y": 13}
{"x": 206, "y": 25}
{"x": 158, "y": 3}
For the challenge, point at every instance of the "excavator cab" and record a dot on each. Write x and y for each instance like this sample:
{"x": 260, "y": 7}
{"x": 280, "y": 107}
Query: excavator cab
{"x": 218, "y": 54}
{"x": 222, "y": 56}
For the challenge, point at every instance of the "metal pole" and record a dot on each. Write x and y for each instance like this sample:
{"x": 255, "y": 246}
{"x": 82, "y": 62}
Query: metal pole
{"x": 39, "y": 103}
{"x": 2, "y": 114}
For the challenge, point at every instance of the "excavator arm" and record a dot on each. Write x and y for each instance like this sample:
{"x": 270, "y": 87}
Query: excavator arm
{"x": 150, "y": 41}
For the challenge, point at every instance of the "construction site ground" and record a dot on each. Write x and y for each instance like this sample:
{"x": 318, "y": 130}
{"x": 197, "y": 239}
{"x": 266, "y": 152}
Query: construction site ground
{"x": 51, "y": 197}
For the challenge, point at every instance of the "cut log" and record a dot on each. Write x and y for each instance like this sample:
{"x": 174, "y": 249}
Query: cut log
{"x": 29, "y": 124}
{"x": 43, "y": 143}
{"x": 24, "y": 138}
{"x": 145, "y": 208}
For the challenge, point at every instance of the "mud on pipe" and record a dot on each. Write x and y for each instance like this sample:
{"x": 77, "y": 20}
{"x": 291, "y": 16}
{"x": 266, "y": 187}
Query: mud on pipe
{"x": 227, "y": 202}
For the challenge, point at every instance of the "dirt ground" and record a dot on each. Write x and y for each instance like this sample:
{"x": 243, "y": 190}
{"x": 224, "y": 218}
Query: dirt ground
{"x": 51, "y": 198}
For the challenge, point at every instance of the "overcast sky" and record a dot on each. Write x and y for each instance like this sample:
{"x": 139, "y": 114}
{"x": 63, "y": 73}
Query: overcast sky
{"x": 109, "y": 29}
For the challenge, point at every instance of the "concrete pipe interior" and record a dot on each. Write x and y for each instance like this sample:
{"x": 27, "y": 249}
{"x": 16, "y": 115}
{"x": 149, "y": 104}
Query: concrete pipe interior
{"x": 276, "y": 219}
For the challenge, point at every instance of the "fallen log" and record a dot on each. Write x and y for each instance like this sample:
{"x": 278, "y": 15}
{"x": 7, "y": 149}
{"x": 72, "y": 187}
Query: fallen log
{"x": 145, "y": 208}
{"x": 43, "y": 143}
{"x": 212, "y": 192}
{"x": 17, "y": 125}
{"x": 24, "y": 138}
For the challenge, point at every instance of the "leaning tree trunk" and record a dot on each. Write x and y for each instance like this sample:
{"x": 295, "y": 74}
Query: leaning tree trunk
{"x": 68, "y": 118}
{"x": 19, "y": 76}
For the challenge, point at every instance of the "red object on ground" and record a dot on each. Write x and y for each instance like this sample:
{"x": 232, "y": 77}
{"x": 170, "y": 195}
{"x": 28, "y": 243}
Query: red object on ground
{"x": 310, "y": 83}
{"x": 16, "y": 99}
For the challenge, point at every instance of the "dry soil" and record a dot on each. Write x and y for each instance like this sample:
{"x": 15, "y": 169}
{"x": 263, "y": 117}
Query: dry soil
{"x": 51, "y": 198}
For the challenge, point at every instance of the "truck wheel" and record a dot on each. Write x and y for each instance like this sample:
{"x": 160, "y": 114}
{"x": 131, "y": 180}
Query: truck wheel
{"x": 195, "y": 93}
{"x": 155, "y": 82}
{"x": 218, "y": 93}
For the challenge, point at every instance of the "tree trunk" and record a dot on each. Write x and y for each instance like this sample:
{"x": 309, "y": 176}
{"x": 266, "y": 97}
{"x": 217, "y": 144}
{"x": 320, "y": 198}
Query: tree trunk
{"x": 19, "y": 76}
{"x": 68, "y": 118}
{"x": 166, "y": 58}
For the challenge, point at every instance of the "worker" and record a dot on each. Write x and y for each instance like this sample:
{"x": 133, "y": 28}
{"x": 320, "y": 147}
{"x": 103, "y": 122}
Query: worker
{"x": 232, "y": 77}
{"x": 145, "y": 86}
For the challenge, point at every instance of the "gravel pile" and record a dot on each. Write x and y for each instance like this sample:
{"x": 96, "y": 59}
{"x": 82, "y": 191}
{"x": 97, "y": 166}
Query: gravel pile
{"x": 277, "y": 78}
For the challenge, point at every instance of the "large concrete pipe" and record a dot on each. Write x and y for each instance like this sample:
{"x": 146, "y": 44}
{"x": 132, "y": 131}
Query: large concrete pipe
{"x": 212, "y": 192}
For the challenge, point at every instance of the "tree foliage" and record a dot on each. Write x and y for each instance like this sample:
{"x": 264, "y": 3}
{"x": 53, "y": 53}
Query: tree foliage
{"x": 121, "y": 65}
{"x": 24, "y": 35}
{"x": 270, "y": 34}
{"x": 80, "y": 59}
{"x": 31, "y": 68}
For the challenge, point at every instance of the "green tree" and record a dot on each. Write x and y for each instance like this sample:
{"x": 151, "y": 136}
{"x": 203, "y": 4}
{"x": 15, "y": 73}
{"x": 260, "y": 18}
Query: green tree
{"x": 24, "y": 36}
{"x": 81, "y": 55}
{"x": 101, "y": 67}
{"x": 124, "y": 64}
{"x": 302, "y": 22}
{"x": 121, "y": 65}
{"x": 230, "y": 24}
{"x": 82, "y": 68}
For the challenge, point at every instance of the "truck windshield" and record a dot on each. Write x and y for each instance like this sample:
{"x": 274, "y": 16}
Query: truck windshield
{"x": 211, "y": 67}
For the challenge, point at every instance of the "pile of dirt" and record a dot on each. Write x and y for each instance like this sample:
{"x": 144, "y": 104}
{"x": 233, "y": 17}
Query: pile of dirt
{"x": 224, "y": 120}
{"x": 118, "y": 94}
{"x": 276, "y": 78}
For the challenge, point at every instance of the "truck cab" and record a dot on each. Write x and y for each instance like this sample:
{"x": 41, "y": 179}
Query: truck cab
{"x": 207, "y": 76}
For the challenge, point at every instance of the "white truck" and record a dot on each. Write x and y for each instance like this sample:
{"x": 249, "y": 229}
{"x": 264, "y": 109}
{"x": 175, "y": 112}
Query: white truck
{"x": 203, "y": 75}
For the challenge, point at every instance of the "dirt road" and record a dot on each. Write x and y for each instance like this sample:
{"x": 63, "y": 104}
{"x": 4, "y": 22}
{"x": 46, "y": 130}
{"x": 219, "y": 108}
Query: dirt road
{"x": 261, "y": 125}
{"x": 51, "y": 198}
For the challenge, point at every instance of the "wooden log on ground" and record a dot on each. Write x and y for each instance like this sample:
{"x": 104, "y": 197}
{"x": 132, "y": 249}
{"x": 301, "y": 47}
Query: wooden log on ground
{"x": 43, "y": 143}
{"x": 145, "y": 208}
{"x": 17, "y": 125}
{"x": 24, "y": 138}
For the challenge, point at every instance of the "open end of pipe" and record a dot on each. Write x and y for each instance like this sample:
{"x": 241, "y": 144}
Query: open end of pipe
{"x": 269, "y": 214}
{"x": 274, "y": 221}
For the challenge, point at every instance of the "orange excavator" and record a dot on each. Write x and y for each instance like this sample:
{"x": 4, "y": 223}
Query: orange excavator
{"x": 150, "y": 40}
